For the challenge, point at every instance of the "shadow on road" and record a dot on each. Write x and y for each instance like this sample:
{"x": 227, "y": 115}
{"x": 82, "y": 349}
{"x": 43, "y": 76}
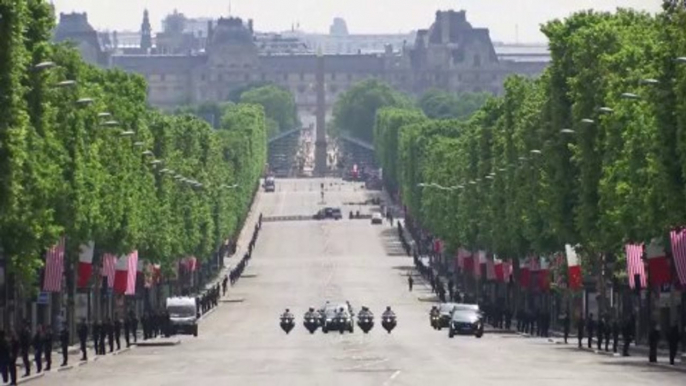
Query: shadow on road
{"x": 391, "y": 244}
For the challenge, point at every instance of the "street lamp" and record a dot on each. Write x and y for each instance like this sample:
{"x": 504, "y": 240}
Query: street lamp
{"x": 628, "y": 95}
{"x": 148, "y": 153}
{"x": 44, "y": 66}
{"x": 104, "y": 115}
{"x": 138, "y": 144}
{"x": 587, "y": 121}
{"x": 535, "y": 151}
{"x": 605, "y": 110}
{"x": 155, "y": 162}
{"x": 567, "y": 131}
{"x": 649, "y": 81}
{"x": 110, "y": 124}
{"x": 84, "y": 101}
{"x": 681, "y": 59}
{"x": 127, "y": 133}
{"x": 66, "y": 83}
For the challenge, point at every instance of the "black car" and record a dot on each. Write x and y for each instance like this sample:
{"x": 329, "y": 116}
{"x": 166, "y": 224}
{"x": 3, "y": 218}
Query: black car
{"x": 326, "y": 213}
{"x": 445, "y": 314}
{"x": 466, "y": 319}
{"x": 330, "y": 321}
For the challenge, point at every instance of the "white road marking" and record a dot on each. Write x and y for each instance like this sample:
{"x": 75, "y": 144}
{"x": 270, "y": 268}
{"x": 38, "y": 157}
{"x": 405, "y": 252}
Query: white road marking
{"x": 391, "y": 378}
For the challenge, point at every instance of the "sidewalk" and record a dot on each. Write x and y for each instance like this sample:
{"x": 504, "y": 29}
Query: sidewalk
{"x": 74, "y": 351}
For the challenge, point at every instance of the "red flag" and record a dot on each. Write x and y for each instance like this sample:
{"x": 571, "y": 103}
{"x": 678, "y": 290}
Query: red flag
{"x": 132, "y": 271}
{"x": 658, "y": 264}
{"x": 499, "y": 272}
{"x": 85, "y": 264}
{"x": 574, "y": 269}
{"x": 54, "y": 267}
{"x": 544, "y": 276}
{"x": 524, "y": 274}
{"x": 109, "y": 263}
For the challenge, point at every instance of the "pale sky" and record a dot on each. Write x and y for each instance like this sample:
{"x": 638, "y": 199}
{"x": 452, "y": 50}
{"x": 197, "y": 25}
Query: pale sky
{"x": 508, "y": 20}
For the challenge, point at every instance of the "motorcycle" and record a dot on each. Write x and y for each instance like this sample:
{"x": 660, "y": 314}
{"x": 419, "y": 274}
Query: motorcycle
{"x": 287, "y": 325}
{"x": 311, "y": 324}
{"x": 343, "y": 324}
{"x": 366, "y": 323}
{"x": 389, "y": 323}
{"x": 435, "y": 322}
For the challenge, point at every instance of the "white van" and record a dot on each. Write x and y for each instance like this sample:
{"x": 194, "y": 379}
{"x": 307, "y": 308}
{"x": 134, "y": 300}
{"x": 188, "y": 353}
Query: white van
{"x": 183, "y": 315}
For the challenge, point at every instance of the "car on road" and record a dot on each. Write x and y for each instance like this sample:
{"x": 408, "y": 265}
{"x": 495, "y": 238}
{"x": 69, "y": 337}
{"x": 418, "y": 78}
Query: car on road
{"x": 328, "y": 212}
{"x": 329, "y": 315}
{"x": 269, "y": 185}
{"x": 445, "y": 311}
{"x": 377, "y": 218}
{"x": 183, "y": 315}
{"x": 466, "y": 319}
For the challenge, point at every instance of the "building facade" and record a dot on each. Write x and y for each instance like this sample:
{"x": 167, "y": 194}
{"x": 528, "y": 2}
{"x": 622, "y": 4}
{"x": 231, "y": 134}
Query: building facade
{"x": 450, "y": 55}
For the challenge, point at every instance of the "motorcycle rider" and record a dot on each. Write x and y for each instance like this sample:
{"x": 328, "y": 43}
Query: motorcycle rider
{"x": 434, "y": 311}
{"x": 365, "y": 313}
{"x": 311, "y": 314}
{"x": 389, "y": 313}
{"x": 287, "y": 315}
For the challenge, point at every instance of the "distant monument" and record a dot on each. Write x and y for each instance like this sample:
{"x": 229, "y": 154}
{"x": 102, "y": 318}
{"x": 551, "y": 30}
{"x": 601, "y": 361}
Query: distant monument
{"x": 320, "y": 154}
{"x": 339, "y": 27}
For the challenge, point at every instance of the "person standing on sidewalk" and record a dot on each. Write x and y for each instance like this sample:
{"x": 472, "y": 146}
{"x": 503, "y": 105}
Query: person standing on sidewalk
{"x": 410, "y": 281}
{"x": 673, "y": 338}
{"x": 133, "y": 321}
{"x": 14, "y": 354}
{"x": 580, "y": 325}
{"x": 95, "y": 332}
{"x": 590, "y": 328}
{"x": 653, "y": 340}
{"x": 82, "y": 331}
{"x": 109, "y": 331}
{"x": 47, "y": 347}
{"x": 117, "y": 332}
{"x": 127, "y": 332}
{"x": 627, "y": 334}
{"x": 38, "y": 348}
{"x": 25, "y": 345}
{"x": 601, "y": 332}
{"x": 615, "y": 334}
{"x": 4, "y": 357}
{"x": 565, "y": 326}
{"x": 64, "y": 344}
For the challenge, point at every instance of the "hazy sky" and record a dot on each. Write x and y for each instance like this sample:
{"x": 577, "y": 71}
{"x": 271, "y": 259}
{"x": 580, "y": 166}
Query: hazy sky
{"x": 503, "y": 17}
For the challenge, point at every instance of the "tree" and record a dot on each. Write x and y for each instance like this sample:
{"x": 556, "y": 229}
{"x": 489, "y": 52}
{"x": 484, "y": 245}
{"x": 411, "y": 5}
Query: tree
{"x": 279, "y": 105}
{"x": 355, "y": 110}
{"x": 439, "y": 104}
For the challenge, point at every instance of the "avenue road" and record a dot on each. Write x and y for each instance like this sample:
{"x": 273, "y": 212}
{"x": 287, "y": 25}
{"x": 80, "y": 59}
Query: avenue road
{"x": 304, "y": 263}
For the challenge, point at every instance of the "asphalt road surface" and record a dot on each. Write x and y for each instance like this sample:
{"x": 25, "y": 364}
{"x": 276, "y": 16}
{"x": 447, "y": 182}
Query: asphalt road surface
{"x": 304, "y": 263}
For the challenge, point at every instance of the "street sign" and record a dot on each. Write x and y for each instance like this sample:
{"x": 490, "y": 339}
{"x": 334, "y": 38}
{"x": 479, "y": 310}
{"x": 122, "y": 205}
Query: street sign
{"x": 43, "y": 298}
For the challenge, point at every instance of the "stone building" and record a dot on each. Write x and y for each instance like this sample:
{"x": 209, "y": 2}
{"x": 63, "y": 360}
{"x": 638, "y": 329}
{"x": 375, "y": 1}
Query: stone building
{"x": 450, "y": 55}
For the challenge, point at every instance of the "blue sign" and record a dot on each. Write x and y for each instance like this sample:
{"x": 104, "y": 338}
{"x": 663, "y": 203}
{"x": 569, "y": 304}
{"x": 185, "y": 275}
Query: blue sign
{"x": 43, "y": 298}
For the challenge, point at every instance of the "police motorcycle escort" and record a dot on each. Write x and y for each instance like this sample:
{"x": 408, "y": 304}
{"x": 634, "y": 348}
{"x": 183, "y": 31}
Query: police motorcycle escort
{"x": 365, "y": 320}
{"x": 343, "y": 320}
{"x": 435, "y": 316}
{"x": 311, "y": 321}
{"x": 388, "y": 320}
{"x": 287, "y": 321}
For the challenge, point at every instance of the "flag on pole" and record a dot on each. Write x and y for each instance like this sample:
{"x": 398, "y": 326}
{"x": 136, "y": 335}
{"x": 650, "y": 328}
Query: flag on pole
{"x": 574, "y": 269}
{"x": 524, "y": 274}
{"x": 634, "y": 264}
{"x": 544, "y": 275}
{"x": 54, "y": 267}
{"x": 120, "y": 274}
{"x": 85, "y": 264}
{"x": 498, "y": 270}
{"x": 467, "y": 261}
{"x": 658, "y": 264}
{"x": 131, "y": 273}
{"x": 678, "y": 239}
{"x": 507, "y": 270}
{"x": 109, "y": 262}
{"x": 480, "y": 259}
{"x": 490, "y": 268}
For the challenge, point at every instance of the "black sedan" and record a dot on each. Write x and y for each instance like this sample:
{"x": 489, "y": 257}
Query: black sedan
{"x": 466, "y": 321}
{"x": 329, "y": 213}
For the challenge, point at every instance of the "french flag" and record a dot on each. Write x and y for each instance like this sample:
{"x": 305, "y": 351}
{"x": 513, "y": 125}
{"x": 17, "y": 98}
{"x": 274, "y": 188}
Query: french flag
{"x": 125, "y": 274}
{"x": 574, "y": 273}
{"x": 658, "y": 264}
{"x": 85, "y": 264}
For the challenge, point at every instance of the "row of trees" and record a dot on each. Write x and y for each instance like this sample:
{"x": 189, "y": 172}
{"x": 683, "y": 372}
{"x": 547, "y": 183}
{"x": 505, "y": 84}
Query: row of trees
{"x": 593, "y": 152}
{"x": 82, "y": 156}
{"x": 278, "y": 103}
{"x": 356, "y": 109}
